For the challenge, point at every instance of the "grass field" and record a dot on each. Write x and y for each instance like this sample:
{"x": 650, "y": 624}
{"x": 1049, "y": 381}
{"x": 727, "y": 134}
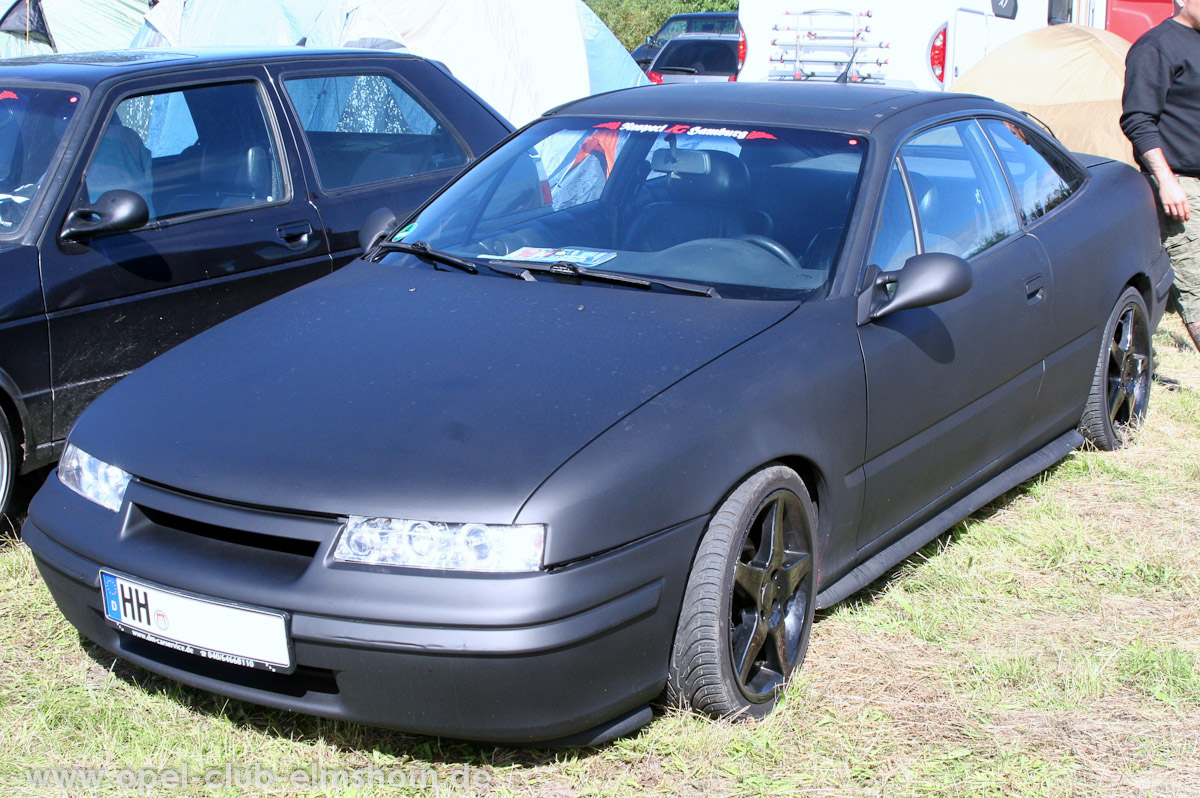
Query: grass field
{"x": 1047, "y": 646}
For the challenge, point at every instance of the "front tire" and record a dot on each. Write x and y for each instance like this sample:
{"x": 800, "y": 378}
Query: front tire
{"x": 1120, "y": 393}
{"x": 748, "y": 607}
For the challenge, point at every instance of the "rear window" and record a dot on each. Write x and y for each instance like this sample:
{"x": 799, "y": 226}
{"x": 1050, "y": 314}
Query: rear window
{"x": 709, "y": 57}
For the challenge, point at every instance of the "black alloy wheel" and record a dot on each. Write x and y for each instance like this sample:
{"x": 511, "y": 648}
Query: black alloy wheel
{"x": 748, "y": 608}
{"x": 1120, "y": 394}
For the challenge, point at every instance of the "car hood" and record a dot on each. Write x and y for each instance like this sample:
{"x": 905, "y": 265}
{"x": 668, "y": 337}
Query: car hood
{"x": 386, "y": 390}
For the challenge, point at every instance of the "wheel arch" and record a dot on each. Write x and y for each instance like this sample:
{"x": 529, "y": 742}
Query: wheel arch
{"x": 810, "y": 474}
{"x": 1140, "y": 281}
{"x": 13, "y": 412}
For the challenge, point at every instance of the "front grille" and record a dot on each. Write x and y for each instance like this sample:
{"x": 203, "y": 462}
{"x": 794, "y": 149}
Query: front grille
{"x": 274, "y": 541}
{"x": 240, "y": 537}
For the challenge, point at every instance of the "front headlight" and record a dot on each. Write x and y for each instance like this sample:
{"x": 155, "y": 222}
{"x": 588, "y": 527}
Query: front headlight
{"x": 92, "y": 479}
{"x": 451, "y": 547}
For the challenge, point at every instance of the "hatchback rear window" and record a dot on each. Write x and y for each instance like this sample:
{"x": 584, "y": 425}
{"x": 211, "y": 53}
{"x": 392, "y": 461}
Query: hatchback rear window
{"x": 708, "y": 57}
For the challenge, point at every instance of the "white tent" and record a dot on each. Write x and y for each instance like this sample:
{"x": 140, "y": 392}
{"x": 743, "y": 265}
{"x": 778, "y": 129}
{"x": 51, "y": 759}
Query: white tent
{"x": 521, "y": 57}
{"x": 73, "y": 25}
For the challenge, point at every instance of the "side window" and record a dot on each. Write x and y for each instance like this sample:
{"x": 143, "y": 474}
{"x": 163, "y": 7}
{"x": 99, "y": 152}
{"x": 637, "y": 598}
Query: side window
{"x": 367, "y": 128}
{"x": 1040, "y": 176}
{"x": 895, "y": 239}
{"x": 962, "y": 202}
{"x": 671, "y": 30}
{"x": 187, "y": 151}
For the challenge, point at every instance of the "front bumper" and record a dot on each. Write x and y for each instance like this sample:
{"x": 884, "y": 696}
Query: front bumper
{"x": 516, "y": 659}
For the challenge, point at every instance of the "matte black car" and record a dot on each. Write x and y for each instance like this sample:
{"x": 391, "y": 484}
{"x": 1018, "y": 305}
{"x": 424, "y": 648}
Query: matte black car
{"x": 704, "y": 22}
{"x": 614, "y": 413}
{"x": 147, "y": 195}
{"x": 696, "y": 58}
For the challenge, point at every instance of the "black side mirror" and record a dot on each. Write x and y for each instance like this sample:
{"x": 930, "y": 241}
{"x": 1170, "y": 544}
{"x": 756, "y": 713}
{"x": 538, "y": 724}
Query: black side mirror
{"x": 650, "y": 40}
{"x": 924, "y": 280}
{"x": 118, "y": 209}
{"x": 378, "y": 224}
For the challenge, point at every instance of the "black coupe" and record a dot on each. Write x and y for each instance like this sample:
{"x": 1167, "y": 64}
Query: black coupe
{"x": 613, "y": 413}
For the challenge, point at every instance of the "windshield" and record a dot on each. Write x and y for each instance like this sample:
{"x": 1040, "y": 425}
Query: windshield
{"x": 32, "y": 123}
{"x": 754, "y": 212}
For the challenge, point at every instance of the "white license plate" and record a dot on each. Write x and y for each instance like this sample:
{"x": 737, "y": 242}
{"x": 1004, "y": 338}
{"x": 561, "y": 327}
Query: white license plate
{"x": 216, "y": 630}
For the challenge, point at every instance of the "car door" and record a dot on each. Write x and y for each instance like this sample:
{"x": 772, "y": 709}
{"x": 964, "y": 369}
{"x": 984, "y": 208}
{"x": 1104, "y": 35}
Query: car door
{"x": 1044, "y": 180}
{"x": 382, "y": 133}
{"x": 228, "y": 226}
{"x": 950, "y": 387}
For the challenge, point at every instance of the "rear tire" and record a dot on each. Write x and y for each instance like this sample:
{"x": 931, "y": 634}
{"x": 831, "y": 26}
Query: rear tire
{"x": 1120, "y": 392}
{"x": 748, "y": 608}
{"x": 8, "y": 466}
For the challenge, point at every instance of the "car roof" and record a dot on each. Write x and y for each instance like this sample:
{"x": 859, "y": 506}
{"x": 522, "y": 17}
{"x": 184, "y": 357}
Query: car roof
{"x": 91, "y": 68}
{"x": 828, "y": 106}
{"x": 701, "y": 37}
{"x": 703, "y": 15}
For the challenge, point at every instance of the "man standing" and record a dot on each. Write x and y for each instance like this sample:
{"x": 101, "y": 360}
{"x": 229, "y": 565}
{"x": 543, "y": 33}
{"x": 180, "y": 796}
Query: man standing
{"x": 1161, "y": 116}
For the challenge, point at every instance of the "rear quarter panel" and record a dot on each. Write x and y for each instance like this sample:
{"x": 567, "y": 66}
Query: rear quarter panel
{"x": 1104, "y": 238}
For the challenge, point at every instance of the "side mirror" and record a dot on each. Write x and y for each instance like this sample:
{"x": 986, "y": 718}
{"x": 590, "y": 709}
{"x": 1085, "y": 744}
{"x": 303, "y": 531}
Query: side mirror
{"x": 378, "y": 224}
{"x": 924, "y": 280}
{"x": 118, "y": 209}
{"x": 650, "y": 40}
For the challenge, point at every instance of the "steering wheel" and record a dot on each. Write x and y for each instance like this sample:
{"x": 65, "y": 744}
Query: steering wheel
{"x": 772, "y": 246}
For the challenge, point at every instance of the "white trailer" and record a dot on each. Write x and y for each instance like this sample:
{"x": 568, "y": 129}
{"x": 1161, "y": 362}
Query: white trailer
{"x": 923, "y": 43}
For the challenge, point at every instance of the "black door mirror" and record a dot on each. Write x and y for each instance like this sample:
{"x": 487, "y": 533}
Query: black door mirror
{"x": 378, "y": 224}
{"x": 650, "y": 40}
{"x": 924, "y": 280}
{"x": 115, "y": 210}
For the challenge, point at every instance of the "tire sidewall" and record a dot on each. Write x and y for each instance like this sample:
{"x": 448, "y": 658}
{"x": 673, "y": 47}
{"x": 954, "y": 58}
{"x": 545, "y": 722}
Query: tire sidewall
{"x": 8, "y": 467}
{"x": 1103, "y": 434}
{"x": 722, "y": 542}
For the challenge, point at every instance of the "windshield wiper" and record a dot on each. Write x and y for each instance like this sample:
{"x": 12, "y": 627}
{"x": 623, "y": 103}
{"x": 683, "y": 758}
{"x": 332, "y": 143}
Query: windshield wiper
{"x": 680, "y": 69}
{"x": 422, "y": 250}
{"x": 567, "y": 269}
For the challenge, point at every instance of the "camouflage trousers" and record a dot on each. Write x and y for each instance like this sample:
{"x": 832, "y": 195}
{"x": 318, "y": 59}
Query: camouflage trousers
{"x": 1182, "y": 241}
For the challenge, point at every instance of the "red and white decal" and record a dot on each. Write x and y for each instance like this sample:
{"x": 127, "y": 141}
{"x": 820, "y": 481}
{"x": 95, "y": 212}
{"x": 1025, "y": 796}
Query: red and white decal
{"x": 688, "y": 130}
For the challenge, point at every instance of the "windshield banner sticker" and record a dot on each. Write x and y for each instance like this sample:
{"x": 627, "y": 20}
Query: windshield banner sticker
{"x": 687, "y": 130}
{"x": 580, "y": 257}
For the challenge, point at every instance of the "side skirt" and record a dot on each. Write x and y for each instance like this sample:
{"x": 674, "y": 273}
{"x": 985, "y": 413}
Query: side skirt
{"x": 878, "y": 564}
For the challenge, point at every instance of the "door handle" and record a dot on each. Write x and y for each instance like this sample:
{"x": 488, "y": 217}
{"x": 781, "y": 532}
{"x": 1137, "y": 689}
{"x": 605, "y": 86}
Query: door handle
{"x": 1035, "y": 289}
{"x": 294, "y": 235}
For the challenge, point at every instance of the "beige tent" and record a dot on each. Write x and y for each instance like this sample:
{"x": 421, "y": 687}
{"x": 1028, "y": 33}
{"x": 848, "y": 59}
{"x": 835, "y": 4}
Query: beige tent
{"x": 1068, "y": 76}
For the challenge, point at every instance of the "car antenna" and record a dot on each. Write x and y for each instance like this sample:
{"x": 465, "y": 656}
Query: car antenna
{"x": 845, "y": 76}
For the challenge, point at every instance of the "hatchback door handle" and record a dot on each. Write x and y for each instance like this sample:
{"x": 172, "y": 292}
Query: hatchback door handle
{"x": 295, "y": 234}
{"x": 1035, "y": 289}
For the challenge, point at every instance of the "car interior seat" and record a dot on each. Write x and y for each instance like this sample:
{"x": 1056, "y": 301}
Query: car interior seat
{"x": 227, "y": 178}
{"x": 935, "y": 233}
{"x": 710, "y": 197}
{"x": 121, "y": 161}
{"x": 387, "y": 165}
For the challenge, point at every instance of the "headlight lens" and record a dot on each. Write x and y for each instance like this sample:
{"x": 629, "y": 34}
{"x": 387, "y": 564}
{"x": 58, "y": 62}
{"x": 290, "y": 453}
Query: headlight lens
{"x": 92, "y": 479}
{"x": 452, "y": 547}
